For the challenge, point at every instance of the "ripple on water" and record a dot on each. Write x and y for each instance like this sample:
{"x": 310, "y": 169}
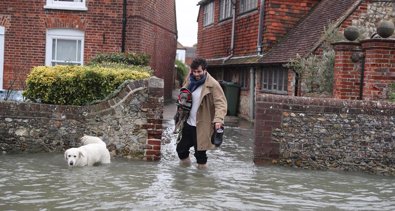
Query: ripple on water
{"x": 232, "y": 182}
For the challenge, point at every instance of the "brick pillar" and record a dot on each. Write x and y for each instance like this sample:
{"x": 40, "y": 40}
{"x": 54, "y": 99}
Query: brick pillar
{"x": 154, "y": 107}
{"x": 268, "y": 117}
{"x": 347, "y": 71}
{"x": 379, "y": 68}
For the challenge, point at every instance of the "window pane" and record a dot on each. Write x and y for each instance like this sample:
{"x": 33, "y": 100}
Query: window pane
{"x": 208, "y": 14}
{"x": 66, "y": 50}
{"x": 270, "y": 79}
{"x": 280, "y": 80}
{"x": 275, "y": 79}
{"x": 246, "y": 5}
{"x": 225, "y": 9}
{"x": 79, "y": 51}
{"x": 54, "y": 49}
{"x": 265, "y": 73}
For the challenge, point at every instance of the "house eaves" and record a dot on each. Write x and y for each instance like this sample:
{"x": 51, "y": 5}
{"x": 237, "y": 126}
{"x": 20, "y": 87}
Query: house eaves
{"x": 241, "y": 60}
{"x": 307, "y": 36}
{"x": 203, "y": 2}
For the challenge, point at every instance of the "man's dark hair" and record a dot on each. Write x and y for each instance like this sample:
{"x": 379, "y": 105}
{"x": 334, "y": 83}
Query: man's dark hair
{"x": 199, "y": 62}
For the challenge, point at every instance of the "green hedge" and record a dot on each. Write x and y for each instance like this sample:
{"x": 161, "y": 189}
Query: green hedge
{"x": 392, "y": 92}
{"x": 182, "y": 71}
{"x": 139, "y": 59}
{"x": 78, "y": 85}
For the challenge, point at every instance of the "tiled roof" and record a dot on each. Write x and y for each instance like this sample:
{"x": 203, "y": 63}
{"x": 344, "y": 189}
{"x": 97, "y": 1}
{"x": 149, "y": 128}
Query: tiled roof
{"x": 180, "y": 46}
{"x": 235, "y": 61}
{"x": 305, "y": 36}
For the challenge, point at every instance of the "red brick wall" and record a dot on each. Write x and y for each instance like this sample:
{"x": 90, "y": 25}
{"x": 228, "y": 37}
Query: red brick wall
{"x": 280, "y": 16}
{"x": 347, "y": 71}
{"x": 154, "y": 32}
{"x": 213, "y": 40}
{"x": 148, "y": 31}
{"x": 379, "y": 71}
{"x": 379, "y": 68}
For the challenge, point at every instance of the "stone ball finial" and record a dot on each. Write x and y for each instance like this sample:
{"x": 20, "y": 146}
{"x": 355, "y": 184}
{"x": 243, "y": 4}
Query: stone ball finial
{"x": 351, "y": 33}
{"x": 385, "y": 29}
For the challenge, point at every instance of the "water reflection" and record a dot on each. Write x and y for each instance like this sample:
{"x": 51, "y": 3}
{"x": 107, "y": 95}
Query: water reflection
{"x": 232, "y": 182}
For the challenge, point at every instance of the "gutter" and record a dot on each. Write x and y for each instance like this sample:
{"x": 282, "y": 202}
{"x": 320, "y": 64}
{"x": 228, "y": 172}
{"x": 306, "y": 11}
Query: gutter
{"x": 260, "y": 28}
{"x": 124, "y": 20}
{"x": 232, "y": 38}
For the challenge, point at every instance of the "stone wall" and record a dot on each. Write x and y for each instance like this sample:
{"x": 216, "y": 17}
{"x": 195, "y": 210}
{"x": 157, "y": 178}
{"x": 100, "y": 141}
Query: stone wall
{"x": 130, "y": 123}
{"x": 325, "y": 134}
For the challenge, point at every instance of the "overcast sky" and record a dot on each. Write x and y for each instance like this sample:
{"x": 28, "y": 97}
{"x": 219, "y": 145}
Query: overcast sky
{"x": 187, "y": 12}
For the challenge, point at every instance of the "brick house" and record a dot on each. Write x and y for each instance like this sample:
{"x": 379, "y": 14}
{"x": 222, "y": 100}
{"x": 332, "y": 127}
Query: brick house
{"x": 249, "y": 41}
{"x": 50, "y": 32}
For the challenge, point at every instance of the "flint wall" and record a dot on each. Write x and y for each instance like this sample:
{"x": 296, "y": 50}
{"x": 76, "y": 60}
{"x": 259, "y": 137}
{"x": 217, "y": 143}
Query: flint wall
{"x": 130, "y": 123}
{"x": 318, "y": 133}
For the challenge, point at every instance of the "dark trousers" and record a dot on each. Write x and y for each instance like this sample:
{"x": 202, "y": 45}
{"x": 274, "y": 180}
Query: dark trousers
{"x": 188, "y": 140}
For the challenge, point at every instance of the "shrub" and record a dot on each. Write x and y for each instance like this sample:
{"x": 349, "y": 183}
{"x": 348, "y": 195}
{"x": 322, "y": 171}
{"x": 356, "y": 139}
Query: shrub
{"x": 138, "y": 59}
{"x": 392, "y": 92}
{"x": 78, "y": 85}
{"x": 182, "y": 71}
{"x": 315, "y": 71}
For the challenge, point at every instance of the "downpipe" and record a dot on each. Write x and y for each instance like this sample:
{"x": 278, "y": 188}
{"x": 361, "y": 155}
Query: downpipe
{"x": 232, "y": 38}
{"x": 259, "y": 47}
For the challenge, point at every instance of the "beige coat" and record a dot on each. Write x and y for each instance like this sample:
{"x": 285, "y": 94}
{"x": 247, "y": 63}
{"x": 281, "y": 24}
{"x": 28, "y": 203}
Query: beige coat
{"x": 213, "y": 107}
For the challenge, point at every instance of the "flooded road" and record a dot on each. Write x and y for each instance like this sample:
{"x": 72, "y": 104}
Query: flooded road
{"x": 232, "y": 182}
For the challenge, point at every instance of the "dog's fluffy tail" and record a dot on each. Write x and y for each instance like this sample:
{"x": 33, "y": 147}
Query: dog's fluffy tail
{"x": 91, "y": 140}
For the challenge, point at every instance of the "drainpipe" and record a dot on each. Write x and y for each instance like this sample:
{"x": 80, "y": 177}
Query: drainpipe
{"x": 232, "y": 38}
{"x": 252, "y": 94}
{"x": 260, "y": 27}
{"x": 124, "y": 26}
{"x": 259, "y": 52}
{"x": 362, "y": 76}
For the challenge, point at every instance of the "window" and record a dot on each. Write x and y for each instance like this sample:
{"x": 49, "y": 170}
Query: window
{"x": 225, "y": 9}
{"x": 208, "y": 17}
{"x": 275, "y": 80}
{"x": 247, "y": 5}
{"x": 64, "y": 47}
{"x": 244, "y": 79}
{"x": 66, "y": 4}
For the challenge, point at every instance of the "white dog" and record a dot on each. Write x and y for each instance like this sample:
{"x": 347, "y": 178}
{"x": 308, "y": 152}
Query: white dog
{"x": 93, "y": 151}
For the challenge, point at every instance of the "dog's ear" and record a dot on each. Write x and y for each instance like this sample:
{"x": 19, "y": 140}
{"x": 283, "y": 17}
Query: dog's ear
{"x": 65, "y": 155}
{"x": 80, "y": 154}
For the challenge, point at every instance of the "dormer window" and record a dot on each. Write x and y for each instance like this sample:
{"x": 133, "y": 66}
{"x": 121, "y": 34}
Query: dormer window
{"x": 66, "y": 5}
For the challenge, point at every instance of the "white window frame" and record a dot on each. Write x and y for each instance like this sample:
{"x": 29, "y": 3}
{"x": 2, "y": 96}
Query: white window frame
{"x": 274, "y": 80}
{"x": 208, "y": 16}
{"x": 247, "y": 5}
{"x": 2, "y": 44}
{"x": 225, "y": 9}
{"x": 66, "y": 5}
{"x": 63, "y": 34}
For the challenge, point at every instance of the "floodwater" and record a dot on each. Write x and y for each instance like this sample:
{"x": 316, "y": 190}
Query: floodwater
{"x": 232, "y": 182}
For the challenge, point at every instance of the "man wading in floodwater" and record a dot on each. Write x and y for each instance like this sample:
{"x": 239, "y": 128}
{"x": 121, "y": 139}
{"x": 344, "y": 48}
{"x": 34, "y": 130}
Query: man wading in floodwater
{"x": 206, "y": 115}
